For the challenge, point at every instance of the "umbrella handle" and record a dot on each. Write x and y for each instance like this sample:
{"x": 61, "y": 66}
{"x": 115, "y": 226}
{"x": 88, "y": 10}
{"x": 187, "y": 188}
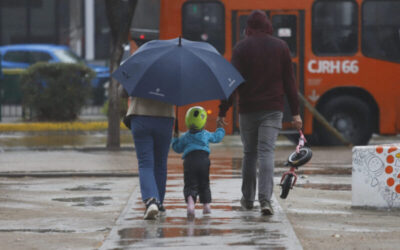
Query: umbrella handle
{"x": 176, "y": 121}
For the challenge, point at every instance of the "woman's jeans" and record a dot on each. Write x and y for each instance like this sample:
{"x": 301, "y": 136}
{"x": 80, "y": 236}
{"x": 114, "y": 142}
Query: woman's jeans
{"x": 152, "y": 138}
{"x": 259, "y": 131}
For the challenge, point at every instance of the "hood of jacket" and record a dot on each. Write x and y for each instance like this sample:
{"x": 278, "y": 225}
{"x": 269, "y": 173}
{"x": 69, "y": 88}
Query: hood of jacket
{"x": 258, "y": 23}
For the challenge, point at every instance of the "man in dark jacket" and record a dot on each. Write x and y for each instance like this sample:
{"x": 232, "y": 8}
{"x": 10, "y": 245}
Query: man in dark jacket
{"x": 265, "y": 63}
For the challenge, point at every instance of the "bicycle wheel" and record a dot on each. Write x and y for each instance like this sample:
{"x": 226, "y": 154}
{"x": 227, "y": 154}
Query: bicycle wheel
{"x": 301, "y": 158}
{"x": 286, "y": 185}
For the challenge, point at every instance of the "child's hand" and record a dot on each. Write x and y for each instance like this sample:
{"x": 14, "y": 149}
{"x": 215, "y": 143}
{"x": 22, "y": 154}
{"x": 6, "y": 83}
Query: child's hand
{"x": 221, "y": 122}
{"x": 176, "y": 134}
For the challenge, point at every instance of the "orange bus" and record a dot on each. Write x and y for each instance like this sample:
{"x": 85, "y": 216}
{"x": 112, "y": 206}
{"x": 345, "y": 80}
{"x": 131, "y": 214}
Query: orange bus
{"x": 346, "y": 55}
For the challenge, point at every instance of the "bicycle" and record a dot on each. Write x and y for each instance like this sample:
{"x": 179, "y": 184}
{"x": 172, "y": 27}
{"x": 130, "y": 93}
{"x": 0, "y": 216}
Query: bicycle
{"x": 299, "y": 157}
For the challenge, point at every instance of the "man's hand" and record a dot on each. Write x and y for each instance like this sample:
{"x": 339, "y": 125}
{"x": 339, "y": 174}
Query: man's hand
{"x": 221, "y": 122}
{"x": 297, "y": 122}
{"x": 122, "y": 92}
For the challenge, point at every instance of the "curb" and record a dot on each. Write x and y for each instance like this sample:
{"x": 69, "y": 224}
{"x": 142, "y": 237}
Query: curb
{"x": 56, "y": 126}
{"x": 64, "y": 174}
{"x": 128, "y": 147}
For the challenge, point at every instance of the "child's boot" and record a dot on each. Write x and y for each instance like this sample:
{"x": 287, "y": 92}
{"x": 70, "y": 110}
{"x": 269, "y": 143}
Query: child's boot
{"x": 206, "y": 208}
{"x": 190, "y": 206}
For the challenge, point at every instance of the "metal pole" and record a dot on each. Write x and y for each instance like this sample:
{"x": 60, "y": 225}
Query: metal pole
{"x": 1, "y": 83}
{"x": 1, "y": 94}
{"x": 324, "y": 122}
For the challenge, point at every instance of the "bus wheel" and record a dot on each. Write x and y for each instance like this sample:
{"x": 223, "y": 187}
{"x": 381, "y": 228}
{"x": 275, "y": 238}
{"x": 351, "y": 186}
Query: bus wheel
{"x": 350, "y": 116}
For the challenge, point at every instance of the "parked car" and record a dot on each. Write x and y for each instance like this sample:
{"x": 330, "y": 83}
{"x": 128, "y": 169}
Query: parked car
{"x": 21, "y": 56}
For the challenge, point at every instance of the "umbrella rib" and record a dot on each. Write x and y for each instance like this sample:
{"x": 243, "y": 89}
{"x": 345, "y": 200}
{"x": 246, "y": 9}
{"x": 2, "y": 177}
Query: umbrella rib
{"x": 162, "y": 53}
{"x": 208, "y": 68}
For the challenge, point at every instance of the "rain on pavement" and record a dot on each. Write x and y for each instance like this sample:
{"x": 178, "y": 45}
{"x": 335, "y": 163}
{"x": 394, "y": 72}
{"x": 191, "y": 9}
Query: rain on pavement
{"x": 56, "y": 205}
{"x": 226, "y": 227}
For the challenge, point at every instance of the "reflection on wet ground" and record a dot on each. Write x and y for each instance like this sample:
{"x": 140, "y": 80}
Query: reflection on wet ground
{"x": 326, "y": 186}
{"x": 96, "y": 187}
{"x": 226, "y": 227}
{"x": 306, "y": 170}
{"x": 94, "y": 201}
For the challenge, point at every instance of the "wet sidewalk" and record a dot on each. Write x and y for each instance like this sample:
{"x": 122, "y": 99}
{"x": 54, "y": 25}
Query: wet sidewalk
{"x": 227, "y": 227}
{"x": 81, "y": 196}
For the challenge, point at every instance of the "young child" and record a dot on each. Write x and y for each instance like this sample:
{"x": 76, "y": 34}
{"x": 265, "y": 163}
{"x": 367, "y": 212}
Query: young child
{"x": 196, "y": 163}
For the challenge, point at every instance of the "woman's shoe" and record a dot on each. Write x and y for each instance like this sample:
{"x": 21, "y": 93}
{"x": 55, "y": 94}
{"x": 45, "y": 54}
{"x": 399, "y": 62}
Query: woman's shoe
{"x": 151, "y": 209}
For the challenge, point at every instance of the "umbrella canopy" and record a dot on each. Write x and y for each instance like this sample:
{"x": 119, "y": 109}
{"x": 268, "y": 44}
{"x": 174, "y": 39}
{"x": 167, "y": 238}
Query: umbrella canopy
{"x": 179, "y": 72}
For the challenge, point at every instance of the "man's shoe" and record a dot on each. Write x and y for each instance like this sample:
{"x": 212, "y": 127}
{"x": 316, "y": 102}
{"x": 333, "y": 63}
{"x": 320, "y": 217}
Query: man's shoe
{"x": 266, "y": 208}
{"x": 151, "y": 209}
{"x": 246, "y": 204}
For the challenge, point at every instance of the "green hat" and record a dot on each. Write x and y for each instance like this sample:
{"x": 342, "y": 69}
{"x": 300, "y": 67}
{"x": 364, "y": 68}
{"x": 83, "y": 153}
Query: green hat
{"x": 196, "y": 118}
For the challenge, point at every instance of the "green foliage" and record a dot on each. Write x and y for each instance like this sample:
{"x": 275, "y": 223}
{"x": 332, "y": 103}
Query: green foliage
{"x": 56, "y": 91}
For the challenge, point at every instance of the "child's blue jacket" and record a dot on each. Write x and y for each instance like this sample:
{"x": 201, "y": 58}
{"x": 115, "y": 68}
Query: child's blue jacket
{"x": 198, "y": 141}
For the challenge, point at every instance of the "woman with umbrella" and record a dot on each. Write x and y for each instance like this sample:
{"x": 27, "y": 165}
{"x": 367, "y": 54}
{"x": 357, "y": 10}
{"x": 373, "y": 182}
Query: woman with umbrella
{"x": 160, "y": 74}
{"x": 151, "y": 123}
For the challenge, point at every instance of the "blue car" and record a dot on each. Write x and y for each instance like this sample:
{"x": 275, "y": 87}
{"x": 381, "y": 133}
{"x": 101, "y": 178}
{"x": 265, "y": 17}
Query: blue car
{"x": 21, "y": 56}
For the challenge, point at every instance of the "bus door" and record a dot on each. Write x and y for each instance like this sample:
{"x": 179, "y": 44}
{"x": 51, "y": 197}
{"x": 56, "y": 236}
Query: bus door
{"x": 288, "y": 25}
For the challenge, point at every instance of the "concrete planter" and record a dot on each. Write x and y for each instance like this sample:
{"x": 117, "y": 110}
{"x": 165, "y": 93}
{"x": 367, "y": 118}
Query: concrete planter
{"x": 376, "y": 176}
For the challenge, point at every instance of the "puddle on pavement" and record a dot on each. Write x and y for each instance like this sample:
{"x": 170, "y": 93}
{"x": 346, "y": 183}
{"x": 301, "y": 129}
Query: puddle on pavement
{"x": 45, "y": 230}
{"x": 169, "y": 232}
{"x": 326, "y": 171}
{"x": 315, "y": 171}
{"x": 96, "y": 187}
{"x": 132, "y": 235}
{"x": 325, "y": 186}
{"x": 181, "y": 221}
{"x": 94, "y": 201}
{"x": 227, "y": 226}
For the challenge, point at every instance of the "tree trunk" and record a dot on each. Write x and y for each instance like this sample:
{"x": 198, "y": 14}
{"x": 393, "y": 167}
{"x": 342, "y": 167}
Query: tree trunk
{"x": 113, "y": 132}
{"x": 119, "y": 16}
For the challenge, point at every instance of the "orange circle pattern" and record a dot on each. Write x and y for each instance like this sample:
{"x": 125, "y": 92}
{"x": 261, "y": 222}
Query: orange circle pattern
{"x": 389, "y": 169}
{"x": 390, "y": 159}
{"x": 392, "y": 149}
{"x": 390, "y": 181}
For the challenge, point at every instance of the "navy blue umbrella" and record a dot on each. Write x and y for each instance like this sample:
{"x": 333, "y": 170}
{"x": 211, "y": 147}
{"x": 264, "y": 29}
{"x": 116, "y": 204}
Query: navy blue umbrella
{"x": 179, "y": 72}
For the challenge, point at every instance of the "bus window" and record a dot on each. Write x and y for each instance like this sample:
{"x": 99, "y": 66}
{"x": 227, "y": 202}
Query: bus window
{"x": 381, "y": 30}
{"x": 285, "y": 27}
{"x": 204, "y": 21}
{"x": 242, "y": 26}
{"x": 334, "y": 28}
{"x": 143, "y": 28}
